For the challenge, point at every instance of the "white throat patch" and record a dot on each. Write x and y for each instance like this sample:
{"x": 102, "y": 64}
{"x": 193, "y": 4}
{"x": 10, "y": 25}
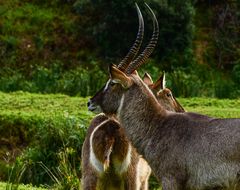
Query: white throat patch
{"x": 120, "y": 106}
{"x": 106, "y": 87}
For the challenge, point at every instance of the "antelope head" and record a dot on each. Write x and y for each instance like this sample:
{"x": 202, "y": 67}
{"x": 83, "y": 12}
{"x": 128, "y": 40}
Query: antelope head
{"x": 163, "y": 94}
{"x": 121, "y": 76}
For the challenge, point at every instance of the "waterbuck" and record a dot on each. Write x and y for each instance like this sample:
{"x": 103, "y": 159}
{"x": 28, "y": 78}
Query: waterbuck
{"x": 108, "y": 159}
{"x": 186, "y": 151}
{"x": 106, "y": 150}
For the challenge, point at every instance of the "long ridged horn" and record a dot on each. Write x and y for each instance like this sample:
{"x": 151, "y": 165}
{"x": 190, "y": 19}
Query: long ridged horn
{"x": 141, "y": 59}
{"x": 137, "y": 44}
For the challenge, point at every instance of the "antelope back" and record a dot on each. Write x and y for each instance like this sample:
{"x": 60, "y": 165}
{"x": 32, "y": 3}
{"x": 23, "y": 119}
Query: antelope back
{"x": 108, "y": 159}
{"x": 109, "y": 145}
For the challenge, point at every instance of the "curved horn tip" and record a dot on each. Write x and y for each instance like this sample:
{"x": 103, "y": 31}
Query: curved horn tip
{"x": 149, "y": 48}
{"x": 154, "y": 16}
{"x": 137, "y": 44}
{"x": 140, "y": 17}
{"x": 136, "y": 5}
{"x": 149, "y": 8}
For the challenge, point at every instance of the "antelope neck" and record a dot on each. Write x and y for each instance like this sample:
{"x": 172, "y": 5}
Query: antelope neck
{"x": 137, "y": 112}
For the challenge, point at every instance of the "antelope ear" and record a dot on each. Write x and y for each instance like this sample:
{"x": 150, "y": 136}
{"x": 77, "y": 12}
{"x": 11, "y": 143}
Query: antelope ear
{"x": 120, "y": 77}
{"x": 147, "y": 79}
{"x": 160, "y": 83}
{"x": 135, "y": 73}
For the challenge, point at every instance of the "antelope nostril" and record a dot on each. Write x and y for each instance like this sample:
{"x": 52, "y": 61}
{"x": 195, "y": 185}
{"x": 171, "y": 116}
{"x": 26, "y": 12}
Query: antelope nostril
{"x": 88, "y": 104}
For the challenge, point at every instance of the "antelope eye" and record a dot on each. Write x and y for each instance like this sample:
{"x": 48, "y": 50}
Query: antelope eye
{"x": 169, "y": 95}
{"x": 112, "y": 83}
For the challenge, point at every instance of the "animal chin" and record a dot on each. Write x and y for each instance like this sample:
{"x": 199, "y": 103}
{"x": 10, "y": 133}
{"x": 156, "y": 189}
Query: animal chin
{"x": 91, "y": 108}
{"x": 94, "y": 109}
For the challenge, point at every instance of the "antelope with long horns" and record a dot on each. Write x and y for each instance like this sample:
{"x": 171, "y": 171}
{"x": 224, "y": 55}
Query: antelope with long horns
{"x": 186, "y": 151}
{"x": 106, "y": 142}
{"x": 108, "y": 159}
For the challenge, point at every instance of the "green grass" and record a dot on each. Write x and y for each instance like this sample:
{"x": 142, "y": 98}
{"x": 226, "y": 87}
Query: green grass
{"x": 47, "y": 107}
{"x": 42, "y": 127}
{"x": 3, "y": 186}
{"x": 26, "y": 113}
{"x": 222, "y": 108}
{"x": 44, "y": 107}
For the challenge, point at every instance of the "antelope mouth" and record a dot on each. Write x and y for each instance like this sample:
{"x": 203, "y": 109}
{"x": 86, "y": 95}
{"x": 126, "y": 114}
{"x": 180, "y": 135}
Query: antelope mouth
{"x": 93, "y": 107}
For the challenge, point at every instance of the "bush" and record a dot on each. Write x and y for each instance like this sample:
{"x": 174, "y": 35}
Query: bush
{"x": 236, "y": 73}
{"x": 75, "y": 40}
{"x": 50, "y": 128}
{"x": 225, "y": 23}
{"x": 79, "y": 81}
{"x": 225, "y": 88}
{"x": 54, "y": 154}
{"x": 106, "y": 17}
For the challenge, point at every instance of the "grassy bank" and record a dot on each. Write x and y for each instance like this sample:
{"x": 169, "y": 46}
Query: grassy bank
{"x": 41, "y": 131}
{"x": 222, "y": 108}
{"x": 46, "y": 132}
{"x": 20, "y": 187}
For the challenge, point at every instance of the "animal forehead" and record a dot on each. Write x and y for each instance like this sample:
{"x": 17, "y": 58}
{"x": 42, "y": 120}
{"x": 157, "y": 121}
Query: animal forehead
{"x": 164, "y": 91}
{"x": 97, "y": 95}
{"x": 134, "y": 78}
{"x": 108, "y": 84}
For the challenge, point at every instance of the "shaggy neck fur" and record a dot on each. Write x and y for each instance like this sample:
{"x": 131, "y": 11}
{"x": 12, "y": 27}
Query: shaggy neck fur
{"x": 136, "y": 114}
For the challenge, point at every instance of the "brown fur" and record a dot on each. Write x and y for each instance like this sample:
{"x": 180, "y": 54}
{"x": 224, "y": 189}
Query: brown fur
{"x": 111, "y": 178}
{"x": 112, "y": 135}
{"x": 186, "y": 151}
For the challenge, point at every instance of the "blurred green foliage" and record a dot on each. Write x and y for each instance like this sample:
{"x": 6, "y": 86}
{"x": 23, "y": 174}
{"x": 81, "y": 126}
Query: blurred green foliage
{"x": 65, "y": 46}
{"x": 54, "y": 80}
{"x": 111, "y": 22}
